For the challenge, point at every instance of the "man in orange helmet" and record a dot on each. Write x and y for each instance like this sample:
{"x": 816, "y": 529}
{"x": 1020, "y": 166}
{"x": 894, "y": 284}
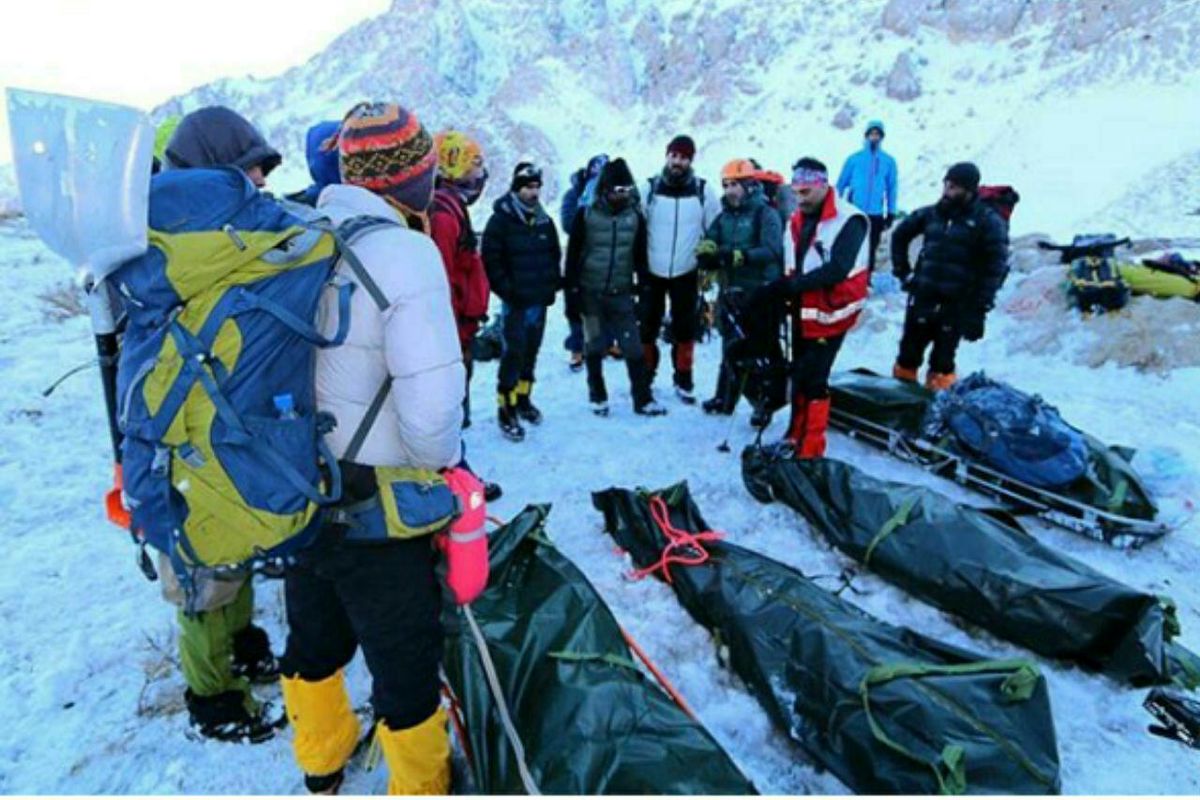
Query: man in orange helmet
{"x": 744, "y": 246}
{"x": 827, "y": 287}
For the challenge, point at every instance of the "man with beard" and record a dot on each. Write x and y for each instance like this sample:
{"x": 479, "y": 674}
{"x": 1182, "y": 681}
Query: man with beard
{"x": 827, "y": 290}
{"x": 522, "y": 255}
{"x": 963, "y": 263}
{"x": 679, "y": 210}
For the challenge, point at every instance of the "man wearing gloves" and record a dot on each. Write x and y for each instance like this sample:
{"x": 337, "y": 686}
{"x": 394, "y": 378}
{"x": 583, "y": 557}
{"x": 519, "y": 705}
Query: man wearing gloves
{"x": 963, "y": 263}
{"x": 744, "y": 246}
{"x": 827, "y": 290}
{"x": 395, "y": 388}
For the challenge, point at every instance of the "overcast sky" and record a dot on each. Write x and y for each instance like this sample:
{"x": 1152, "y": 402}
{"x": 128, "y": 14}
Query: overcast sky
{"x": 141, "y": 53}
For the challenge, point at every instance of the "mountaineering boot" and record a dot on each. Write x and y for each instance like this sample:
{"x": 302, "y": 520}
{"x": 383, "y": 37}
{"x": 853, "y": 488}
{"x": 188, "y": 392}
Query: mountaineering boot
{"x": 816, "y": 421}
{"x": 325, "y": 784}
{"x": 722, "y": 402}
{"x": 506, "y": 417}
{"x": 597, "y": 392}
{"x": 575, "y": 362}
{"x": 326, "y": 729}
{"x": 796, "y": 424}
{"x": 252, "y": 656}
{"x": 650, "y": 408}
{"x": 682, "y": 356}
{"x": 526, "y": 410}
{"x": 939, "y": 381}
{"x": 224, "y": 717}
{"x": 904, "y": 373}
{"x": 418, "y": 758}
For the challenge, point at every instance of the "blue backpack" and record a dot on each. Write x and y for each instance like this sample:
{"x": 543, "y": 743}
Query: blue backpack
{"x": 1013, "y": 433}
{"x": 224, "y": 461}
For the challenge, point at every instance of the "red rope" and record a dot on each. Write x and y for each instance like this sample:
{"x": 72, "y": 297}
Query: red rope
{"x": 683, "y": 547}
{"x": 460, "y": 728}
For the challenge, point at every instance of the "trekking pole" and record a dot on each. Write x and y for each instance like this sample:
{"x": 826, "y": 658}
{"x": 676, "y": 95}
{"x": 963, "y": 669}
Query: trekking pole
{"x": 723, "y": 447}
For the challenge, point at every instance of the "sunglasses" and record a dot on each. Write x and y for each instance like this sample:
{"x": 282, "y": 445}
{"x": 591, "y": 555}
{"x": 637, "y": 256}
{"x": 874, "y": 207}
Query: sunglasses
{"x": 621, "y": 191}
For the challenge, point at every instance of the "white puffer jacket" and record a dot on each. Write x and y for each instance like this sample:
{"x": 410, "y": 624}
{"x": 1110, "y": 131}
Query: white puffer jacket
{"x": 674, "y": 226}
{"x": 415, "y": 341}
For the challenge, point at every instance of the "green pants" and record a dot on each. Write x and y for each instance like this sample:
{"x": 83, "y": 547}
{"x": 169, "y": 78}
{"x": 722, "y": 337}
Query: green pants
{"x": 206, "y": 646}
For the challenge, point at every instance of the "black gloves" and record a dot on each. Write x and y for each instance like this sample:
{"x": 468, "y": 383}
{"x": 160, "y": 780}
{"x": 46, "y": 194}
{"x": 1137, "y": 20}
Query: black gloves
{"x": 970, "y": 324}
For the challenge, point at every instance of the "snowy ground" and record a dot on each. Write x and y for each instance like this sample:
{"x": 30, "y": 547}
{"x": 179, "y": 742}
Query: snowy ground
{"x": 91, "y": 702}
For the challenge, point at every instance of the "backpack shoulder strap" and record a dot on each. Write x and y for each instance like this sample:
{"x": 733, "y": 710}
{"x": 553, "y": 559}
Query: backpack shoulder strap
{"x": 653, "y": 191}
{"x": 344, "y": 236}
{"x": 700, "y": 188}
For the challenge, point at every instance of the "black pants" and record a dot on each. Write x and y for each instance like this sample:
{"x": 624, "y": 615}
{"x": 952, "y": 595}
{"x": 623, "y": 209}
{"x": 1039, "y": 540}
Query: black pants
{"x": 684, "y": 294}
{"x": 925, "y": 322}
{"x": 522, "y": 329}
{"x": 812, "y": 361}
{"x": 382, "y": 597}
{"x": 617, "y": 313}
{"x": 875, "y": 235}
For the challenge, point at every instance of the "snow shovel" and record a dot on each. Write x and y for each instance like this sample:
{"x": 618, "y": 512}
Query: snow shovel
{"x": 83, "y": 173}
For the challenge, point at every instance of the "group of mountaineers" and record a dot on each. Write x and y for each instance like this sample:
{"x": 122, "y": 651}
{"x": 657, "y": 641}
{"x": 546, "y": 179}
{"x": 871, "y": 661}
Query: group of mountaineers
{"x": 791, "y": 260}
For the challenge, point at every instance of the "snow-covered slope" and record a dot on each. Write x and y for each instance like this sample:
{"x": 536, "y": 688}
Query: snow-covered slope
{"x": 1091, "y": 115}
{"x": 90, "y": 700}
{"x": 1077, "y": 103}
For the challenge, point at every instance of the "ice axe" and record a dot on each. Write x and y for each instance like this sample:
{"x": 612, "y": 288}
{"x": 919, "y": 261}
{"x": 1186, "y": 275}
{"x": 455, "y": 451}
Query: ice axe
{"x": 83, "y": 173}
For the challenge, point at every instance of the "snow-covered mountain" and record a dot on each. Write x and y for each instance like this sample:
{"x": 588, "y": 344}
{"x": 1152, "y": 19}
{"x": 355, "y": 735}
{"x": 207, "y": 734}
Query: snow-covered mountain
{"x": 1072, "y": 101}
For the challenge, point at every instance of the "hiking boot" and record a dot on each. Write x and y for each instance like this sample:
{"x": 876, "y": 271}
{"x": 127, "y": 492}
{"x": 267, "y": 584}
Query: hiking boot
{"x": 760, "y": 419}
{"x": 252, "y": 656}
{"x": 325, "y": 784}
{"x": 688, "y": 396}
{"x": 904, "y": 373}
{"x": 716, "y": 405}
{"x": 526, "y": 410}
{"x": 492, "y": 492}
{"x": 575, "y": 363}
{"x": 224, "y": 717}
{"x": 600, "y": 408}
{"x": 650, "y": 408}
{"x": 506, "y": 418}
{"x": 939, "y": 381}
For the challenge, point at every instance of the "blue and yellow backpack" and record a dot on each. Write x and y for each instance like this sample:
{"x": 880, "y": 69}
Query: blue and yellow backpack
{"x": 224, "y": 461}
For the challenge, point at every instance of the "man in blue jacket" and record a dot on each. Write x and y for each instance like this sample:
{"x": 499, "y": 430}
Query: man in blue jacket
{"x": 870, "y": 176}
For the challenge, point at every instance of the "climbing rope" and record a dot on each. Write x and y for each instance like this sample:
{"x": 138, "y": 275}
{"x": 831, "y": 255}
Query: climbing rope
{"x": 683, "y": 547}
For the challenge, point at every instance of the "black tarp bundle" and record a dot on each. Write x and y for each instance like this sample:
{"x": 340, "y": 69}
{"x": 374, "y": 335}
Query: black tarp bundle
{"x": 1111, "y": 484}
{"x": 588, "y": 719}
{"x": 981, "y": 566}
{"x": 883, "y": 708}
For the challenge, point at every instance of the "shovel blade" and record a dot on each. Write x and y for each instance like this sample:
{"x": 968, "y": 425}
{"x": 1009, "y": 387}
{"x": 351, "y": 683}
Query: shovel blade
{"x": 83, "y": 173}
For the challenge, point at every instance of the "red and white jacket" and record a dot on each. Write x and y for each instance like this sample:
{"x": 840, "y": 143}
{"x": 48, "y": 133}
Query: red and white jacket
{"x": 829, "y": 310}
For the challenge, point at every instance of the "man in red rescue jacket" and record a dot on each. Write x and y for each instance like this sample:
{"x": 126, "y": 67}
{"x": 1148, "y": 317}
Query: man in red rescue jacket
{"x": 826, "y": 288}
{"x": 460, "y": 182}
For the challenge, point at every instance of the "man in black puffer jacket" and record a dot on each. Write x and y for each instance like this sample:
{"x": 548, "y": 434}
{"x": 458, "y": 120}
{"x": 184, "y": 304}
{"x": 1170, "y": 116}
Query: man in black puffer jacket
{"x": 963, "y": 263}
{"x": 521, "y": 255}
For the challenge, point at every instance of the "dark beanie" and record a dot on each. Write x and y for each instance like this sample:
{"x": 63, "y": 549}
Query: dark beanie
{"x": 615, "y": 173}
{"x": 525, "y": 174}
{"x": 683, "y": 145}
{"x": 964, "y": 174}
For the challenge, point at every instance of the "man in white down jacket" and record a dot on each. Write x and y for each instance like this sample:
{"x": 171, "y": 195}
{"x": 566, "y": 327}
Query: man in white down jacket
{"x": 679, "y": 208}
{"x": 395, "y": 388}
